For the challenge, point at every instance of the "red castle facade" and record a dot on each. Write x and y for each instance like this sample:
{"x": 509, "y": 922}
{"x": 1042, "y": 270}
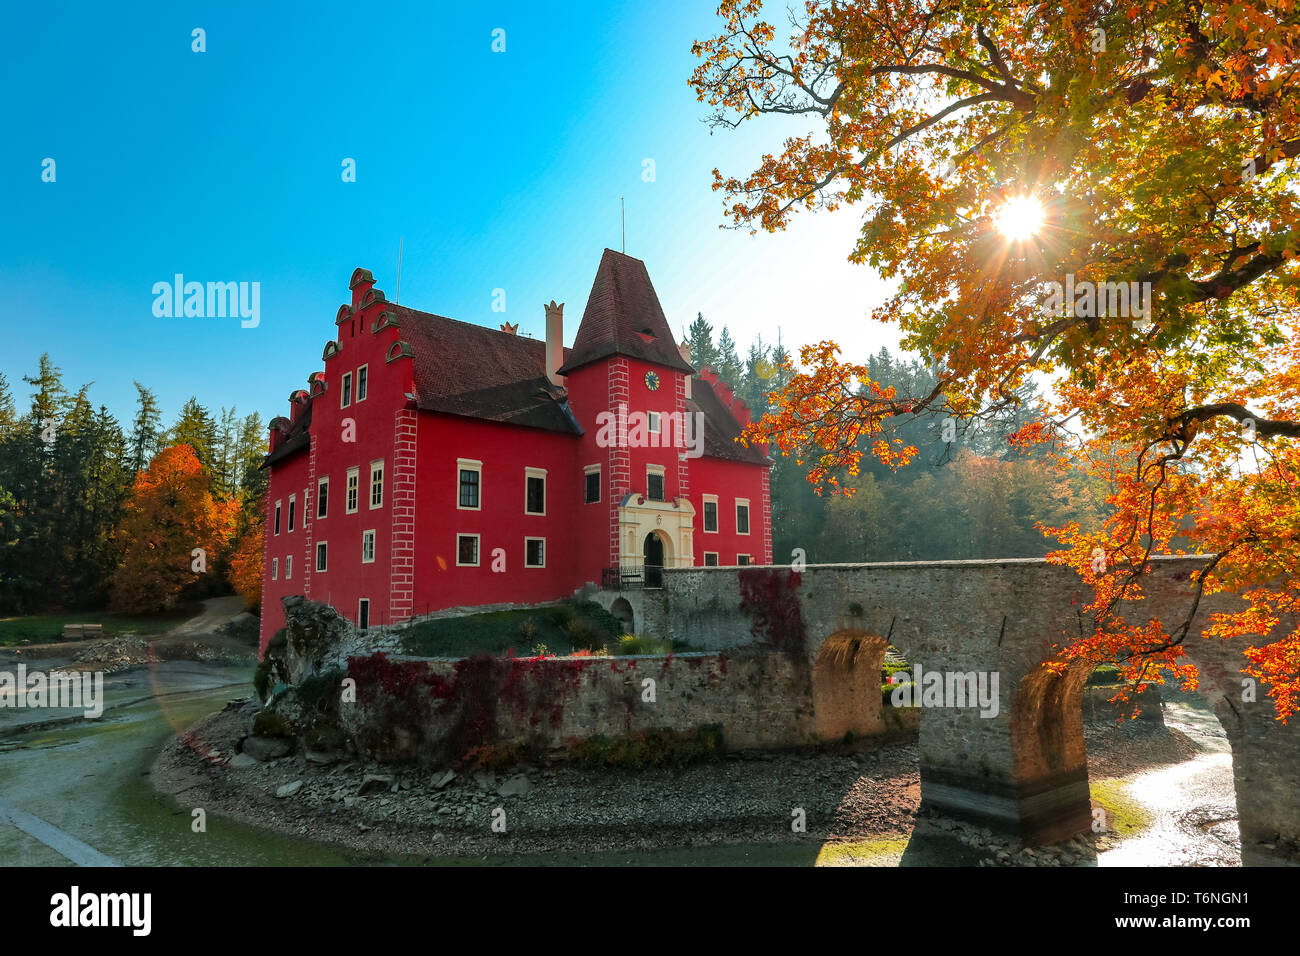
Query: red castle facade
{"x": 436, "y": 463}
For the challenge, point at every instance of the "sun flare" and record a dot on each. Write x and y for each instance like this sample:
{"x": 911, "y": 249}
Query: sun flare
{"x": 1020, "y": 217}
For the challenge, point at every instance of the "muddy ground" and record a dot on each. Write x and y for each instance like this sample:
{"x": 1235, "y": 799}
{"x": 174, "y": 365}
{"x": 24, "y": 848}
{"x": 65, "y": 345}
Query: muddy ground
{"x": 864, "y": 799}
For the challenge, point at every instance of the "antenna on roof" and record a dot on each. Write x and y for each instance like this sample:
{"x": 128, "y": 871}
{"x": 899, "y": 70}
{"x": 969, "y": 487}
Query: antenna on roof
{"x": 623, "y": 209}
{"x": 398, "y": 300}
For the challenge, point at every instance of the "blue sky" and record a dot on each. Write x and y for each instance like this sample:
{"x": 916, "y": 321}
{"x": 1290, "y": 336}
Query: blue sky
{"x": 500, "y": 170}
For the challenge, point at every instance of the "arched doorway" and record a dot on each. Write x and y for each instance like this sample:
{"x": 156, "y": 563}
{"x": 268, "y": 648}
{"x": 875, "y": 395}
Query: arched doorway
{"x": 622, "y": 611}
{"x": 655, "y": 553}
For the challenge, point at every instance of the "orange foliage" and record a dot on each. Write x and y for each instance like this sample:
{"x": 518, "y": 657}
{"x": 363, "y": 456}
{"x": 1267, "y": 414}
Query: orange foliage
{"x": 246, "y": 564}
{"x": 170, "y": 514}
{"x": 1160, "y": 140}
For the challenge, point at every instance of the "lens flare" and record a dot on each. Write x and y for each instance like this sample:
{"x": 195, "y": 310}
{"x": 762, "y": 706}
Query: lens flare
{"x": 1020, "y": 217}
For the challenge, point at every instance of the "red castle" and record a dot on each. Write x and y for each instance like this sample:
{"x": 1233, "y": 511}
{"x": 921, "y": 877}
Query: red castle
{"x": 436, "y": 463}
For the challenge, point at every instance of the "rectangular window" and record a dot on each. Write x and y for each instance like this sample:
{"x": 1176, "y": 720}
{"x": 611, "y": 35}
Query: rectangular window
{"x": 534, "y": 552}
{"x": 467, "y": 550}
{"x": 654, "y": 482}
{"x": 362, "y": 375}
{"x": 275, "y": 569}
{"x": 742, "y": 516}
{"x": 742, "y": 559}
{"x": 288, "y": 566}
{"x": 535, "y": 491}
{"x": 710, "y": 559}
{"x": 711, "y": 513}
{"x": 367, "y": 547}
{"x": 654, "y": 423}
{"x": 322, "y": 497}
{"x": 350, "y": 506}
{"x": 347, "y": 390}
{"x": 471, "y": 476}
{"x": 321, "y": 556}
{"x": 591, "y": 490}
{"x": 376, "y": 484}
{"x": 277, "y": 517}
{"x": 293, "y": 510}
{"x": 363, "y": 614}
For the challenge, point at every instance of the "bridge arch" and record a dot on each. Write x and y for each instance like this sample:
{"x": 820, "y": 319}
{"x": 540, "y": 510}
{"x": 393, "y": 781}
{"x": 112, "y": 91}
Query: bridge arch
{"x": 846, "y": 685}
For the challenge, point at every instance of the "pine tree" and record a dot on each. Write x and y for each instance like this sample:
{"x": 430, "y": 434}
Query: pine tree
{"x": 700, "y": 338}
{"x": 145, "y": 428}
{"x": 728, "y": 364}
{"x": 195, "y": 427}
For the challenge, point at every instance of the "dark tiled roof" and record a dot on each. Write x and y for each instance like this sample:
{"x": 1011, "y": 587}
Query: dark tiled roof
{"x": 621, "y": 308}
{"x": 470, "y": 370}
{"x": 720, "y": 427}
{"x": 298, "y": 439}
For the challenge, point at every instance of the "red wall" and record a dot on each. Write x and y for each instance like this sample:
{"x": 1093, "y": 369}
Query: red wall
{"x": 729, "y": 480}
{"x": 505, "y": 452}
{"x": 577, "y": 534}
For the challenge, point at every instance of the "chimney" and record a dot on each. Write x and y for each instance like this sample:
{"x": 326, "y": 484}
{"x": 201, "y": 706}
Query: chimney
{"x": 685, "y": 352}
{"x": 554, "y": 341}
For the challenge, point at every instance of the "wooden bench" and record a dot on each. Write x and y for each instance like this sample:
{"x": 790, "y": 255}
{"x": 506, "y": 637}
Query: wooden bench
{"x": 75, "y": 632}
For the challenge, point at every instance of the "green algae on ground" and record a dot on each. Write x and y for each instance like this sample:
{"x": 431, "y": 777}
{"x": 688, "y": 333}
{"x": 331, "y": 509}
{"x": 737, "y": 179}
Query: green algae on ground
{"x": 876, "y": 851}
{"x": 1125, "y": 816}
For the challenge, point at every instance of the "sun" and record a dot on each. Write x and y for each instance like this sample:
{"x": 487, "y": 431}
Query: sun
{"x": 1020, "y": 217}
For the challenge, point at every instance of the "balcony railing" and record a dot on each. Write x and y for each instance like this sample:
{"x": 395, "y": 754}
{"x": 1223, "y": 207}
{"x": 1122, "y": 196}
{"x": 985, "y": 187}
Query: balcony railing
{"x": 632, "y": 577}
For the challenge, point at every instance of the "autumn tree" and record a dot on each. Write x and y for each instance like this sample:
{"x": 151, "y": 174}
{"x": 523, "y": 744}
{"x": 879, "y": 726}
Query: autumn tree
{"x": 1018, "y": 166}
{"x": 172, "y": 532}
{"x": 246, "y": 564}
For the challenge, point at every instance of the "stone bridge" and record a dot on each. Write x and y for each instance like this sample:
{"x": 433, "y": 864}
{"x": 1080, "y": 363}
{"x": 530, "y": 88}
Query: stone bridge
{"x": 1023, "y": 771}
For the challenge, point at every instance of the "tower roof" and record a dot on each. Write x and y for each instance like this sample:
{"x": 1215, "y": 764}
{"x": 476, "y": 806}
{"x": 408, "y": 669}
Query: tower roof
{"x": 623, "y": 317}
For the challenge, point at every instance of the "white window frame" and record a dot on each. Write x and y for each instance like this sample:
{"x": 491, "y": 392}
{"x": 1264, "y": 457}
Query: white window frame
{"x": 363, "y": 388}
{"x": 275, "y": 569}
{"x": 319, "y": 546}
{"x": 322, "y": 497}
{"x": 749, "y": 515}
{"x": 352, "y": 491}
{"x": 543, "y": 541}
{"x": 653, "y": 423}
{"x": 600, "y": 491}
{"x": 706, "y": 559}
{"x": 705, "y": 500}
{"x": 471, "y": 464}
{"x": 288, "y": 566}
{"x": 366, "y": 602}
{"x": 478, "y": 549}
{"x": 293, "y": 508}
{"x": 276, "y": 525}
{"x": 749, "y": 560}
{"x": 368, "y": 536}
{"x": 535, "y": 473}
{"x": 378, "y": 463}
{"x": 345, "y": 398}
